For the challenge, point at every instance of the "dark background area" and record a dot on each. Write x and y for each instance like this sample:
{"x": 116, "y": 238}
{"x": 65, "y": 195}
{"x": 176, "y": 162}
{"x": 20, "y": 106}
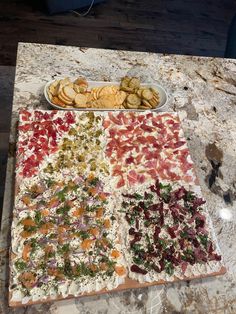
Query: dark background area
{"x": 194, "y": 27}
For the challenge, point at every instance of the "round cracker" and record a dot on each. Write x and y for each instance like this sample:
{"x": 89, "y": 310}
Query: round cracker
{"x": 55, "y": 83}
{"x": 65, "y": 81}
{"x": 67, "y": 102}
{"x": 69, "y": 92}
{"x": 81, "y": 100}
{"x": 147, "y": 94}
{"x": 64, "y": 96}
{"x": 120, "y": 97}
{"x": 146, "y": 104}
{"x": 134, "y": 83}
{"x": 58, "y": 102}
{"x": 108, "y": 90}
{"x": 80, "y": 89}
{"x": 81, "y": 81}
{"x": 133, "y": 100}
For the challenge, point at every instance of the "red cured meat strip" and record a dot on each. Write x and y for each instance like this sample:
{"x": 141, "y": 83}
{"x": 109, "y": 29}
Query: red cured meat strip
{"x": 146, "y": 128}
{"x": 151, "y": 139}
{"x": 25, "y": 115}
{"x": 132, "y": 177}
{"x": 141, "y": 178}
{"x": 186, "y": 166}
{"x": 129, "y": 160}
{"x": 153, "y": 173}
{"x": 123, "y": 118}
{"x": 151, "y": 164}
{"x": 138, "y": 159}
{"x": 114, "y": 119}
{"x": 117, "y": 171}
{"x": 141, "y": 118}
{"x": 120, "y": 183}
{"x": 106, "y": 123}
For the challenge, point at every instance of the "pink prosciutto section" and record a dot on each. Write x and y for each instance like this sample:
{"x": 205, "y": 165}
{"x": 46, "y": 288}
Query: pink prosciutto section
{"x": 147, "y": 146}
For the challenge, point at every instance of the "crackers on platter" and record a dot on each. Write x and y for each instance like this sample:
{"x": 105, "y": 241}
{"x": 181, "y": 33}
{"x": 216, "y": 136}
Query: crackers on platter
{"x": 128, "y": 95}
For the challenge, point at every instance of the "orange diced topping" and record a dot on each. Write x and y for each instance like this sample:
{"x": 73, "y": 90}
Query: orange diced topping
{"x": 45, "y": 228}
{"x": 99, "y": 212}
{"x": 32, "y": 207}
{"x": 28, "y": 222}
{"x": 94, "y": 231}
{"x": 120, "y": 270}
{"x": 60, "y": 240}
{"x": 71, "y": 184}
{"x": 45, "y": 212}
{"x": 70, "y": 203}
{"x": 107, "y": 223}
{"x": 53, "y": 202}
{"x": 37, "y": 189}
{"x": 103, "y": 266}
{"x": 62, "y": 228}
{"x": 78, "y": 212}
{"x": 91, "y": 176}
{"x": 86, "y": 244}
{"x": 26, "y": 200}
{"x": 28, "y": 279}
{"x": 102, "y": 196}
{"x": 92, "y": 191}
{"x": 55, "y": 272}
{"x": 26, "y": 234}
{"x": 93, "y": 267}
{"x": 48, "y": 249}
{"x": 26, "y": 251}
{"x": 115, "y": 253}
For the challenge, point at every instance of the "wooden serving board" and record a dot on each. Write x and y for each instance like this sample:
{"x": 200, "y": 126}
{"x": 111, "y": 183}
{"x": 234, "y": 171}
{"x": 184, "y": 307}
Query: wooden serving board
{"x": 128, "y": 284}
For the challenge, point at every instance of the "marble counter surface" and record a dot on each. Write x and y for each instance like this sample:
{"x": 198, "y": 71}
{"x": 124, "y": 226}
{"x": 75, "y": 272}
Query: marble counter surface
{"x": 203, "y": 91}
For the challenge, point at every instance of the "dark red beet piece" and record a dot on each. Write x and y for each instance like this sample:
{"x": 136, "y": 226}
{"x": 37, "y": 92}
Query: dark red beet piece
{"x": 137, "y": 237}
{"x": 156, "y": 233}
{"x": 129, "y": 196}
{"x": 129, "y": 160}
{"x": 199, "y": 223}
{"x": 127, "y": 217}
{"x": 182, "y": 243}
{"x": 179, "y": 194}
{"x": 156, "y": 188}
{"x": 215, "y": 257}
{"x": 131, "y": 231}
{"x": 210, "y": 248}
{"x": 156, "y": 268}
{"x": 162, "y": 264}
{"x": 200, "y": 255}
{"x": 141, "y": 205}
{"x": 171, "y": 231}
{"x": 147, "y": 215}
{"x": 156, "y": 207}
{"x": 197, "y": 202}
{"x": 136, "y": 269}
{"x": 153, "y": 254}
{"x": 195, "y": 242}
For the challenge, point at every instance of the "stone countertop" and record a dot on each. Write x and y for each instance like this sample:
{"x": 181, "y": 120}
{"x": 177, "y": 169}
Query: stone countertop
{"x": 203, "y": 92}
